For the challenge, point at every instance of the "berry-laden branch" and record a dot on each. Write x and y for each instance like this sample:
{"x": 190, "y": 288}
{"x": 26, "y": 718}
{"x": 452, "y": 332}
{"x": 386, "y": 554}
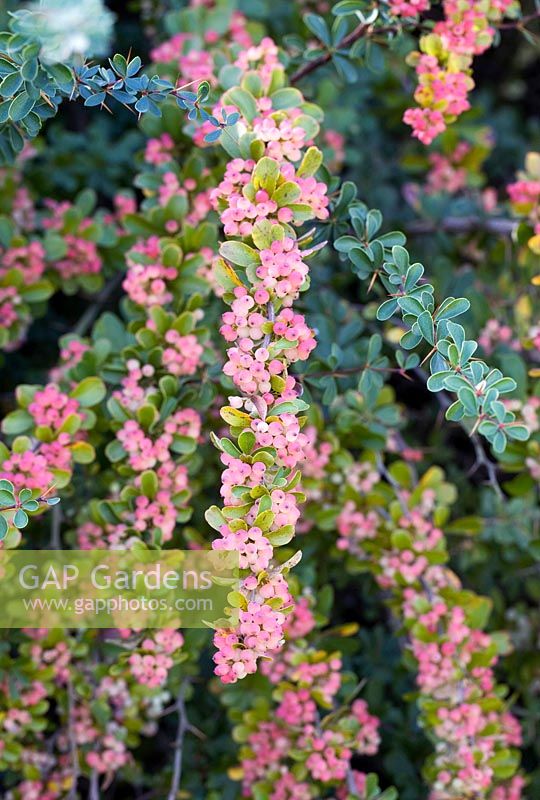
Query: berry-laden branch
{"x": 391, "y": 524}
{"x": 263, "y": 198}
{"x": 301, "y": 744}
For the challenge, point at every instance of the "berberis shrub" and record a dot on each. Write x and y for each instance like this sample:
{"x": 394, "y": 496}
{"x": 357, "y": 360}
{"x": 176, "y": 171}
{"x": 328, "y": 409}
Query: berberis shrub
{"x": 211, "y": 337}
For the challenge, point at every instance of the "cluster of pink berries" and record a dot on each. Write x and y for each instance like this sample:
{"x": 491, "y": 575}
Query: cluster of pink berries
{"x": 240, "y": 209}
{"x": 408, "y": 8}
{"x": 159, "y": 150}
{"x": 447, "y": 173}
{"x": 444, "y": 64}
{"x": 254, "y": 548}
{"x": 28, "y": 259}
{"x": 81, "y": 258}
{"x": 354, "y": 527}
{"x": 147, "y": 283}
{"x": 71, "y": 353}
{"x": 182, "y": 356}
{"x": 151, "y": 666}
{"x": 525, "y": 197}
{"x": 52, "y": 407}
{"x": 282, "y": 271}
{"x": 494, "y": 333}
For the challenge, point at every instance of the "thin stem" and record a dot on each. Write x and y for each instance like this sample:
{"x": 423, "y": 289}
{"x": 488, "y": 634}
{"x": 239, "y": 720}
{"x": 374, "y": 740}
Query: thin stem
{"x": 56, "y": 524}
{"x": 499, "y": 226}
{"x": 483, "y": 461}
{"x": 271, "y": 318}
{"x": 343, "y": 373}
{"x": 381, "y": 467}
{"x": 183, "y": 726}
{"x": 87, "y": 319}
{"x": 72, "y": 741}
{"x": 93, "y": 793}
{"x": 358, "y": 33}
{"x": 351, "y": 786}
{"x": 519, "y": 24}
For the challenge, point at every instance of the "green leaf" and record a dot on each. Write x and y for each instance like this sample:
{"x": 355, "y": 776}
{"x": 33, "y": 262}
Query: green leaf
{"x": 62, "y": 74}
{"x": 287, "y": 194}
{"x": 214, "y": 517}
{"x": 468, "y": 526}
{"x": 114, "y": 451}
{"x": 318, "y": 26}
{"x": 264, "y": 520}
{"x": 17, "y": 422}
{"x": 499, "y": 442}
{"x": 236, "y": 600}
{"x": 7, "y": 498}
{"x": 89, "y": 392}
{"x": 37, "y": 292}
{"x": 149, "y": 483}
{"x": 20, "y": 519}
{"x": 266, "y": 174}
{"x": 244, "y": 102}
{"x": 386, "y": 310}
{"x": 452, "y": 308}
{"x": 281, "y": 536}
{"x": 82, "y": 452}
{"x": 20, "y": 107}
{"x": 469, "y": 401}
{"x": 24, "y": 495}
{"x": 246, "y": 441}
{"x": 519, "y": 432}
{"x": 425, "y": 323}
{"x": 436, "y": 382}
{"x": 400, "y": 257}
{"x": 234, "y": 417}
{"x": 288, "y": 97}
{"x": 310, "y": 163}
{"x": 240, "y": 254}
{"x": 410, "y": 305}
{"x": 4, "y": 527}
{"x": 11, "y": 84}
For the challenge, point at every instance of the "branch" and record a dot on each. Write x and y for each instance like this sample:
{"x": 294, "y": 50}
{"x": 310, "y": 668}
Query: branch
{"x": 358, "y": 33}
{"x": 56, "y": 522}
{"x": 85, "y": 322}
{"x": 183, "y": 727}
{"x": 483, "y": 461}
{"x": 519, "y": 24}
{"x": 364, "y": 30}
{"x": 499, "y": 226}
{"x": 72, "y": 742}
{"x": 346, "y": 371}
{"x": 93, "y": 793}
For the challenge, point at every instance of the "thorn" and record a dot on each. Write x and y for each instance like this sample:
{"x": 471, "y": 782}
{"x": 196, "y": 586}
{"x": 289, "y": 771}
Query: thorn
{"x": 433, "y": 350}
{"x": 373, "y": 279}
{"x": 45, "y": 97}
